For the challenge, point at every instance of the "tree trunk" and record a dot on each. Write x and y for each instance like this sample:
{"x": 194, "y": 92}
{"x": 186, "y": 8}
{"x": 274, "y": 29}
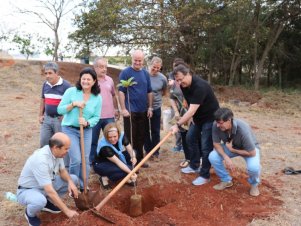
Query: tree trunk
{"x": 56, "y": 45}
{"x": 274, "y": 34}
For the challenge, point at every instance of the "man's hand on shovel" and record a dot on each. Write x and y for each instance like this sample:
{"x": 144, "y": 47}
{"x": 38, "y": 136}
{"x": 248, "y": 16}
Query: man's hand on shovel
{"x": 72, "y": 189}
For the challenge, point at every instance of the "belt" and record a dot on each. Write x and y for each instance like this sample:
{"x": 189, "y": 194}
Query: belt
{"x": 75, "y": 127}
{"x": 53, "y": 116}
{"x": 20, "y": 187}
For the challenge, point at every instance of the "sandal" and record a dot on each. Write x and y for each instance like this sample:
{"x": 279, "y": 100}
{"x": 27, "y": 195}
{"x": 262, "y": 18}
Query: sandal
{"x": 184, "y": 163}
{"x": 104, "y": 182}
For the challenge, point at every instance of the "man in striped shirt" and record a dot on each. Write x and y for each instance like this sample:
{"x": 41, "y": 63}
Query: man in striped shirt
{"x": 52, "y": 91}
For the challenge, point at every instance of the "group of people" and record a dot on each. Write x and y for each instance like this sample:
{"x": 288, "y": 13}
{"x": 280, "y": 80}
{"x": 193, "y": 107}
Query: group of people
{"x": 208, "y": 134}
{"x": 214, "y": 135}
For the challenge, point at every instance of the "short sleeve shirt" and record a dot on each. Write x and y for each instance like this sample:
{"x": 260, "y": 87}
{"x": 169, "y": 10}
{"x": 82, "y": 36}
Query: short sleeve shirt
{"x": 138, "y": 93}
{"x": 201, "y": 93}
{"x": 40, "y": 169}
{"x": 242, "y": 136}
{"x": 107, "y": 152}
{"x": 158, "y": 83}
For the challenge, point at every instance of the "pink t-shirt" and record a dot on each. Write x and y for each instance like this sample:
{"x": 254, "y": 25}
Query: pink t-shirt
{"x": 107, "y": 92}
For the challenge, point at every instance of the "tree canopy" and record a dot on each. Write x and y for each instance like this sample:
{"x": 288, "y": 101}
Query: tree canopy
{"x": 228, "y": 42}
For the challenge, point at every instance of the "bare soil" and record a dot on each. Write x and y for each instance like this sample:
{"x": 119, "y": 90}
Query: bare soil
{"x": 169, "y": 198}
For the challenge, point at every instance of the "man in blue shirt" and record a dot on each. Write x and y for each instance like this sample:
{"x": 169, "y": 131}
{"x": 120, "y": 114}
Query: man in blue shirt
{"x": 136, "y": 102}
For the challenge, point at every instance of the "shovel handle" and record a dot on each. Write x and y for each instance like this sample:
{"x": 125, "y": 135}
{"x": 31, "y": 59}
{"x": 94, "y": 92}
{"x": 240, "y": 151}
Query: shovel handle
{"x": 82, "y": 149}
{"x": 121, "y": 183}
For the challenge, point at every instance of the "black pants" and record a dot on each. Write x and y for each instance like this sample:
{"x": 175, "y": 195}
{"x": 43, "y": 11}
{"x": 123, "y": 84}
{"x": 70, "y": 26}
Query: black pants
{"x": 139, "y": 126}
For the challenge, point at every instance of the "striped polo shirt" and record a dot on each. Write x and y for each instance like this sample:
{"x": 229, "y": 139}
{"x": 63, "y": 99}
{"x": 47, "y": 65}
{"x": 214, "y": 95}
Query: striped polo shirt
{"x": 52, "y": 95}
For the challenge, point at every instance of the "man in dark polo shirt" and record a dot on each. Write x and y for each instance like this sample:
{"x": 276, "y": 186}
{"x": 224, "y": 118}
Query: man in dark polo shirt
{"x": 231, "y": 138}
{"x": 52, "y": 91}
{"x": 202, "y": 105}
{"x": 139, "y": 105}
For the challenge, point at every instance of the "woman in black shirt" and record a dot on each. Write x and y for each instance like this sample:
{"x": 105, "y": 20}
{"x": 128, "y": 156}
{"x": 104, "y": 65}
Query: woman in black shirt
{"x": 115, "y": 156}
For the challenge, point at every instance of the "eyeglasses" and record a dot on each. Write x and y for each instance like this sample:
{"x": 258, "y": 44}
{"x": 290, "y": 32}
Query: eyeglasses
{"x": 222, "y": 122}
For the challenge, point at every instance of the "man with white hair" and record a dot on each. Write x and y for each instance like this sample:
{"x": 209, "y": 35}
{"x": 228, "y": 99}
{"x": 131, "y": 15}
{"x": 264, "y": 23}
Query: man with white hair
{"x": 136, "y": 101}
{"x": 109, "y": 109}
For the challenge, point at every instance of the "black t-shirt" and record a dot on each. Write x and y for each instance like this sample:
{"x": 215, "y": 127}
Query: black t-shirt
{"x": 107, "y": 152}
{"x": 200, "y": 92}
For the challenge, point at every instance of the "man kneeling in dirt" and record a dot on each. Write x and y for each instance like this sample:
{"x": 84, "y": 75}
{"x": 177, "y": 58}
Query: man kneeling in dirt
{"x": 231, "y": 138}
{"x": 44, "y": 178}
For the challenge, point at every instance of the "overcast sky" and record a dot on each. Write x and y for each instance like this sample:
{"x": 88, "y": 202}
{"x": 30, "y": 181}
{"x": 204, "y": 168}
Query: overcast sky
{"x": 11, "y": 20}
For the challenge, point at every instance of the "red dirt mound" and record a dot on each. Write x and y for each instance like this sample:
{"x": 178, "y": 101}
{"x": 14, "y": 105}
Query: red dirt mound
{"x": 169, "y": 203}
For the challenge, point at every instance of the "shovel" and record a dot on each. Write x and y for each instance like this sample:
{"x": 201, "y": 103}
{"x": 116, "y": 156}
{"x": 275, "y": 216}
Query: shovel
{"x": 121, "y": 183}
{"x": 86, "y": 199}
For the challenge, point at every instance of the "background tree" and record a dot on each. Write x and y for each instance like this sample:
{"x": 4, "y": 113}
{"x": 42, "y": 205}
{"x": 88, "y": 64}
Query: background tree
{"x": 25, "y": 44}
{"x": 228, "y": 42}
{"x": 50, "y": 13}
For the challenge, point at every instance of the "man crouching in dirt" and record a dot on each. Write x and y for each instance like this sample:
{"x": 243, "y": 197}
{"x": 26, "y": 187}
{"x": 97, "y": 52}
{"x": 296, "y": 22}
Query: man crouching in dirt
{"x": 231, "y": 138}
{"x": 44, "y": 178}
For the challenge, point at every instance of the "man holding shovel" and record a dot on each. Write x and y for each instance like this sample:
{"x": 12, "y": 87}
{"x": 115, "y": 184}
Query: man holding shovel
{"x": 44, "y": 179}
{"x": 202, "y": 105}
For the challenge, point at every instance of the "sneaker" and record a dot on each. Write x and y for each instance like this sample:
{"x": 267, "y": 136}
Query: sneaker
{"x": 188, "y": 169}
{"x": 222, "y": 185}
{"x": 51, "y": 208}
{"x": 254, "y": 191}
{"x": 200, "y": 181}
{"x": 32, "y": 221}
{"x": 104, "y": 182}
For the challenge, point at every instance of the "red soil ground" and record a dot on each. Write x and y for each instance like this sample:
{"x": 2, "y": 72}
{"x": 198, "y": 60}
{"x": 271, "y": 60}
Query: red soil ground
{"x": 169, "y": 201}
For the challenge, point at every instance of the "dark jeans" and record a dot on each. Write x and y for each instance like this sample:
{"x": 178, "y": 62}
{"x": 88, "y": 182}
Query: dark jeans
{"x": 199, "y": 143}
{"x": 139, "y": 126}
{"x": 111, "y": 170}
{"x": 152, "y": 137}
{"x": 184, "y": 145}
{"x": 95, "y": 136}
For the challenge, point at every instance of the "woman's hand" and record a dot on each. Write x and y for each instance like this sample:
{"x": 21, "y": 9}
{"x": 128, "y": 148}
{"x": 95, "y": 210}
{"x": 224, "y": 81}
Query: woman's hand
{"x": 134, "y": 177}
{"x": 79, "y": 104}
{"x": 82, "y": 121}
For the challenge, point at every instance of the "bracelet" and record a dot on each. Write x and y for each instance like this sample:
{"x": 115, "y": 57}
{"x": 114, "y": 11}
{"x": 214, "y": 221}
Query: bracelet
{"x": 150, "y": 109}
{"x": 116, "y": 110}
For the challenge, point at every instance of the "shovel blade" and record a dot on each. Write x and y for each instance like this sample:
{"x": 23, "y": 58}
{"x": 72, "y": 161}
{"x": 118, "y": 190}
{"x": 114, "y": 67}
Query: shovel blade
{"x": 88, "y": 200}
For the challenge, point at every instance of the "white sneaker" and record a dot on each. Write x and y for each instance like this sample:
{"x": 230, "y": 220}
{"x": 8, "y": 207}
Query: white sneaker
{"x": 200, "y": 181}
{"x": 188, "y": 169}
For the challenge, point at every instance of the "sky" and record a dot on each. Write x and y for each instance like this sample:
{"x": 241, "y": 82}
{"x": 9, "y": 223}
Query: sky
{"x": 11, "y": 20}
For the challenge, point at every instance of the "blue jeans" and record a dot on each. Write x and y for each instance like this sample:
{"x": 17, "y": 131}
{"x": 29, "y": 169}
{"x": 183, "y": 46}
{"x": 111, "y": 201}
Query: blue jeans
{"x": 95, "y": 136}
{"x": 49, "y": 127}
{"x": 253, "y": 165}
{"x": 74, "y": 154}
{"x": 152, "y": 137}
{"x": 35, "y": 199}
{"x": 111, "y": 170}
{"x": 199, "y": 144}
